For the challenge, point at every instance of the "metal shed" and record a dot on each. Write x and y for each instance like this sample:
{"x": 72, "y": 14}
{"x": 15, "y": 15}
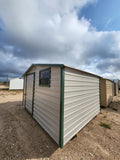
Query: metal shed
{"x": 16, "y": 84}
{"x": 107, "y": 91}
{"x": 61, "y": 99}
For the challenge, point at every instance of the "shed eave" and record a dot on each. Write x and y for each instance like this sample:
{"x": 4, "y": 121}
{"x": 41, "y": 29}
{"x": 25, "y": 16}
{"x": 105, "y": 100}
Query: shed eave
{"x": 107, "y": 79}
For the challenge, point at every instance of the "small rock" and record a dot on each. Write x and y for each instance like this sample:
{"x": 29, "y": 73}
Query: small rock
{"x": 47, "y": 146}
{"x": 91, "y": 154}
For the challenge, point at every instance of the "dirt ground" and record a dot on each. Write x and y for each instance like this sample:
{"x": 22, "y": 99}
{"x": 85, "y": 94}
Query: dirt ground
{"x": 21, "y": 138}
{"x": 4, "y": 87}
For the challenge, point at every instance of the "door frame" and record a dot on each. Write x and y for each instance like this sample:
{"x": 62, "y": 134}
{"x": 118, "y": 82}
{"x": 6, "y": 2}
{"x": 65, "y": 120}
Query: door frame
{"x": 33, "y": 94}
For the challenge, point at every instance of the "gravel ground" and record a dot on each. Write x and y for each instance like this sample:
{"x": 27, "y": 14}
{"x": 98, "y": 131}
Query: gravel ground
{"x": 21, "y": 138}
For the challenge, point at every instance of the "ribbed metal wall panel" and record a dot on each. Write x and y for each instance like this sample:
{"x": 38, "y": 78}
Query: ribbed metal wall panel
{"x": 47, "y": 102}
{"x": 81, "y": 101}
{"x": 29, "y": 93}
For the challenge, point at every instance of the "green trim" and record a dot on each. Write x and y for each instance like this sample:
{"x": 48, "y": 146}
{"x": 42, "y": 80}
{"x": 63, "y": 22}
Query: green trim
{"x": 33, "y": 93}
{"x": 100, "y": 90}
{"x": 25, "y": 90}
{"x": 28, "y": 111}
{"x": 30, "y": 74}
{"x": 45, "y": 85}
{"x": 61, "y": 136}
{"x": 50, "y": 65}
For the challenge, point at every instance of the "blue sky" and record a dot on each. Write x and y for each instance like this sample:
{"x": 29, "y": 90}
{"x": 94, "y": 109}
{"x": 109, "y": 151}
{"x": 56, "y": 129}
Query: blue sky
{"x": 104, "y": 14}
{"x": 84, "y": 34}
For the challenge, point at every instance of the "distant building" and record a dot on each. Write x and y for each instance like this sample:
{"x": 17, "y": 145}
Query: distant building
{"x": 119, "y": 84}
{"x": 117, "y": 81}
{"x": 16, "y": 84}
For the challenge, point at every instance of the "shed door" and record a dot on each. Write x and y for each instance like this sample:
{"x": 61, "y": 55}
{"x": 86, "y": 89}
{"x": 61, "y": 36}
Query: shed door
{"x": 24, "y": 91}
{"x": 29, "y": 95}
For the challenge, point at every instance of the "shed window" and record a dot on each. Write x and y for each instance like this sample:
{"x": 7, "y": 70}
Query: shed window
{"x": 44, "y": 77}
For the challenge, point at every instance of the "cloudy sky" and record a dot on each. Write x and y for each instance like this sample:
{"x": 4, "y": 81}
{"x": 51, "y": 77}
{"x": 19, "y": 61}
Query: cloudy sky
{"x": 84, "y": 34}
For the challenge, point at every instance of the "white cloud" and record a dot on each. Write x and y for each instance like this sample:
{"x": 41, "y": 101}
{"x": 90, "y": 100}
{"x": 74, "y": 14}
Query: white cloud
{"x": 111, "y": 76}
{"x": 50, "y": 31}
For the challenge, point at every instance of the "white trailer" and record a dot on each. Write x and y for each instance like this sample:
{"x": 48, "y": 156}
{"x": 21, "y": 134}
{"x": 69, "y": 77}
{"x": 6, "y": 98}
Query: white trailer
{"x": 16, "y": 84}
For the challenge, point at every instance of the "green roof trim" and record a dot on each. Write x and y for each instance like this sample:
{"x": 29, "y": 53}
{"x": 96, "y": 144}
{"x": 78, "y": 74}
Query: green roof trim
{"x": 51, "y": 65}
{"x": 61, "y": 135}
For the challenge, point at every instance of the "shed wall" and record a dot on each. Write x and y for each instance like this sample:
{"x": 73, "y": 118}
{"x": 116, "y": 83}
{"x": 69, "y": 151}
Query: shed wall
{"x": 47, "y": 102}
{"x": 16, "y": 84}
{"x": 109, "y": 91}
{"x": 103, "y": 92}
{"x": 81, "y": 101}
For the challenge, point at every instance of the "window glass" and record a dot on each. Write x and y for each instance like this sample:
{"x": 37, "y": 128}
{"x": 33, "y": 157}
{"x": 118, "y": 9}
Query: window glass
{"x": 44, "y": 77}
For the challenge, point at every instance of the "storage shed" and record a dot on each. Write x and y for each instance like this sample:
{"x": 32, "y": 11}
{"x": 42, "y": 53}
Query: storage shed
{"x": 16, "y": 84}
{"x": 107, "y": 91}
{"x": 115, "y": 89}
{"x": 61, "y": 99}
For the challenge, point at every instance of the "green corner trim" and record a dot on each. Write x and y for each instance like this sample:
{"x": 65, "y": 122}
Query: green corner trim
{"x": 25, "y": 90}
{"x": 33, "y": 93}
{"x": 100, "y": 90}
{"x": 62, "y": 110}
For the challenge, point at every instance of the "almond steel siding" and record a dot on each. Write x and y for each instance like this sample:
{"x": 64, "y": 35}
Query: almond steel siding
{"x": 81, "y": 101}
{"x": 47, "y": 102}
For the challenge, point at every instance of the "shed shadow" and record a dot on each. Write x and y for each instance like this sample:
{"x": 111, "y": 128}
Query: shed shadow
{"x": 114, "y": 107}
{"x": 22, "y": 137}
